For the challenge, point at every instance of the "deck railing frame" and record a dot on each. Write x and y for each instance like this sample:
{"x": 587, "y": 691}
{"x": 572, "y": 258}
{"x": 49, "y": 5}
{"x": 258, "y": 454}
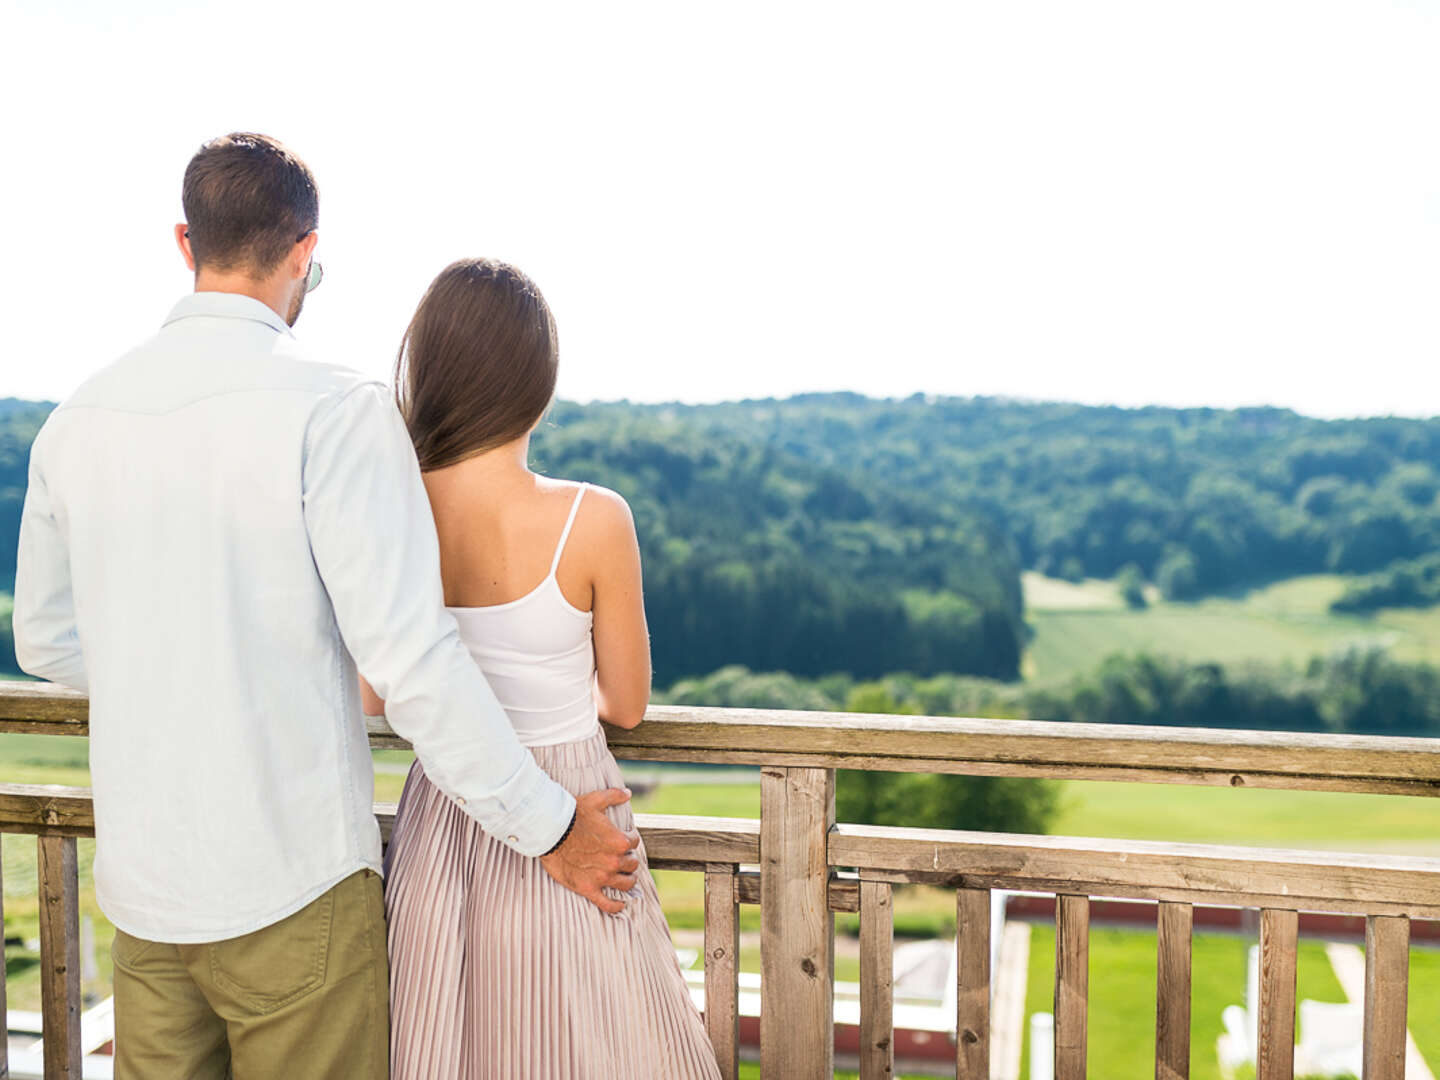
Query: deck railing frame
{"x": 811, "y": 867}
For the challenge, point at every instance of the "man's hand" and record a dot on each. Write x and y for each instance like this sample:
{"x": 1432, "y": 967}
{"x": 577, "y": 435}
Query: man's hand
{"x": 596, "y": 855}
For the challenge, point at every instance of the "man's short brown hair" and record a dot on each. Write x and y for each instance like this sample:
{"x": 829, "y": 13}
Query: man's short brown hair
{"x": 248, "y": 199}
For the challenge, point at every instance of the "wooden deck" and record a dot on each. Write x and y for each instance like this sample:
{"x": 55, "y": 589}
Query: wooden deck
{"x": 801, "y": 866}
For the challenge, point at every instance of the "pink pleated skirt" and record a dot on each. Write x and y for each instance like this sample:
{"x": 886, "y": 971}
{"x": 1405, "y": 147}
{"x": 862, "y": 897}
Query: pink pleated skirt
{"x": 499, "y": 973}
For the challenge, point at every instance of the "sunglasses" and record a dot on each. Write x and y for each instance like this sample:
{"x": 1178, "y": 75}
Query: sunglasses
{"x": 316, "y": 273}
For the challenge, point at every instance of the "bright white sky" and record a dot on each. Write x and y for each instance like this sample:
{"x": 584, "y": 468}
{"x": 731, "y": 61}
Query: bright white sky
{"x": 1229, "y": 202}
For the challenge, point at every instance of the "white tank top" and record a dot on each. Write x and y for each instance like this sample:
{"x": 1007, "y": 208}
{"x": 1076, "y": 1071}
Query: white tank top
{"x": 539, "y": 656}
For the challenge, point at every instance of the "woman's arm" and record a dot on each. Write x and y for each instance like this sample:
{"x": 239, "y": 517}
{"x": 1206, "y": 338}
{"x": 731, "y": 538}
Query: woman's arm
{"x": 370, "y": 702}
{"x": 622, "y": 640}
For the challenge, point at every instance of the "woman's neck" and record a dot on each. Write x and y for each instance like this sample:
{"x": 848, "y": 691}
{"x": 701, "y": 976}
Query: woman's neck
{"x": 504, "y": 467}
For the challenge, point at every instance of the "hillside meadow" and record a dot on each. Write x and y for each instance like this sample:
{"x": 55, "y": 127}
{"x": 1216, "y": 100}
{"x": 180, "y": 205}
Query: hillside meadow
{"x": 1076, "y": 626}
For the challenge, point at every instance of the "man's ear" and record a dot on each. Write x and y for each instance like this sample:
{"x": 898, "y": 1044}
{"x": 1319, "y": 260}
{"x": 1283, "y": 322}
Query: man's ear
{"x": 182, "y": 241}
{"x": 302, "y": 253}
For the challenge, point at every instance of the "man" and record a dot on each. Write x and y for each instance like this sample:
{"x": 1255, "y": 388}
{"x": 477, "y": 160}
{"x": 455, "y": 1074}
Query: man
{"x": 215, "y": 526}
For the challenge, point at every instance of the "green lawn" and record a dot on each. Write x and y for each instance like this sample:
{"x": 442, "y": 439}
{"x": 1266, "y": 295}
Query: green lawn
{"x": 1424, "y": 1016}
{"x": 1078, "y": 626}
{"x": 1121, "y": 1031}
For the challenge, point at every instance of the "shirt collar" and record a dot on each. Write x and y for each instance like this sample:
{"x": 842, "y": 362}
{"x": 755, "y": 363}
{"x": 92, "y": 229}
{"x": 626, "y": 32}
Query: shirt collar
{"x": 226, "y": 305}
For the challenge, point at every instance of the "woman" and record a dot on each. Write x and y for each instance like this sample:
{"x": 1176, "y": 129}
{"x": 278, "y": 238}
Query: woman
{"x": 496, "y": 969}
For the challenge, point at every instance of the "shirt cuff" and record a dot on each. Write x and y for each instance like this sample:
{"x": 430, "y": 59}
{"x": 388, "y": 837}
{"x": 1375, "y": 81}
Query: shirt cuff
{"x": 537, "y": 824}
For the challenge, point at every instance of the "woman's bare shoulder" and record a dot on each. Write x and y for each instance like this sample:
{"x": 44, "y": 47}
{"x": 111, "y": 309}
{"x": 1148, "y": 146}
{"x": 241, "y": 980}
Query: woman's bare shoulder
{"x": 604, "y": 518}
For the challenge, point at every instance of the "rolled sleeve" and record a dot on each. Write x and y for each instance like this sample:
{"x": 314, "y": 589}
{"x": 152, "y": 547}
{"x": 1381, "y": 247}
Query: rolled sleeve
{"x": 373, "y": 539}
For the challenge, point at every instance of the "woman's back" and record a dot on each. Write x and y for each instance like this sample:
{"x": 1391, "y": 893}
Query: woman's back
{"x": 536, "y": 649}
{"x": 515, "y": 585}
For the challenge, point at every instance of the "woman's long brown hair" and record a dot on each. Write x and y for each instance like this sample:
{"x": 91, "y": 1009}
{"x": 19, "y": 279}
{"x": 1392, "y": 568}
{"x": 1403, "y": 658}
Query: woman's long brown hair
{"x": 476, "y": 368}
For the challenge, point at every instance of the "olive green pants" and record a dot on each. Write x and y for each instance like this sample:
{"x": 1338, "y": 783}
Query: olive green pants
{"x": 306, "y": 998}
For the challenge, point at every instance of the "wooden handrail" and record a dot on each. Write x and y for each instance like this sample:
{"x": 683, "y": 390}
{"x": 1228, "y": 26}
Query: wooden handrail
{"x": 1207, "y": 756}
{"x": 1189, "y": 873}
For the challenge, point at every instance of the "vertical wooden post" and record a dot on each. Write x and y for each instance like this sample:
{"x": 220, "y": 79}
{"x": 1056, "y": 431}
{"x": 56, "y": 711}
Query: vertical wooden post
{"x": 1387, "y": 980}
{"x": 1275, "y": 1057}
{"x": 1172, "y": 991}
{"x": 972, "y": 988}
{"x": 722, "y": 967}
{"x": 797, "y": 931}
{"x": 877, "y": 975}
{"x": 1072, "y": 984}
{"x": 60, "y": 956}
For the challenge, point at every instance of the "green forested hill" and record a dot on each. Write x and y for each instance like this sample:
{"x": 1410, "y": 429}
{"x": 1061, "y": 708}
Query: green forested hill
{"x": 761, "y": 555}
{"x": 833, "y": 532}
{"x": 1198, "y": 499}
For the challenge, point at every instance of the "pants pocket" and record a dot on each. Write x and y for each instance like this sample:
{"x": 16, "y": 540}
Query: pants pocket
{"x": 278, "y": 964}
{"x": 127, "y": 951}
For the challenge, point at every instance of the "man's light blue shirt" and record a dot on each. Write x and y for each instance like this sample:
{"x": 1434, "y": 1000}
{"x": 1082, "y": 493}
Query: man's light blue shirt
{"x": 217, "y": 531}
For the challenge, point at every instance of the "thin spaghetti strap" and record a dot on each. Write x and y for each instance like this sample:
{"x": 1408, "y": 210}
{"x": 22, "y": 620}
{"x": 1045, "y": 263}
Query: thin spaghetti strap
{"x": 565, "y": 535}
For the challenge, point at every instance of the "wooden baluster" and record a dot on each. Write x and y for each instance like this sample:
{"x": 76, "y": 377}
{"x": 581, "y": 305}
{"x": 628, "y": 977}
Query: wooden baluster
{"x": 972, "y": 984}
{"x": 1172, "y": 991}
{"x": 1276, "y": 1054}
{"x": 877, "y": 975}
{"x": 722, "y": 966}
{"x": 60, "y": 956}
{"x": 1387, "y": 980}
{"x": 1072, "y": 983}
{"x": 797, "y": 931}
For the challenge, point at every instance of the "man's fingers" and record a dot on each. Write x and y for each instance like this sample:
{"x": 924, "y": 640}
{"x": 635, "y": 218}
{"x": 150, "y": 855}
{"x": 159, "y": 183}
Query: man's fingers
{"x": 623, "y": 882}
{"x": 623, "y": 841}
{"x": 629, "y": 865}
{"x": 604, "y": 903}
{"x": 610, "y": 797}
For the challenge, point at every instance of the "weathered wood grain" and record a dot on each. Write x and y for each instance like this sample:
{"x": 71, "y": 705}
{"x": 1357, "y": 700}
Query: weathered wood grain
{"x": 1190, "y": 873}
{"x": 1387, "y": 982}
{"x": 60, "y": 956}
{"x": 972, "y": 984}
{"x": 1222, "y": 758}
{"x": 1276, "y": 1057}
{"x": 1030, "y": 747}
{"x": 1327, "y": 762}
{"x": 797, "y": 945}
{"x": 722, "y": 967}
{"x": 1072, "y": 985}
{"x": 43, "y": 708}
{"x": 1175, "y": 923}
{"x": 877, "y": 976}
{"x": 47, "y": 808}
{"x": 844, "y": 891}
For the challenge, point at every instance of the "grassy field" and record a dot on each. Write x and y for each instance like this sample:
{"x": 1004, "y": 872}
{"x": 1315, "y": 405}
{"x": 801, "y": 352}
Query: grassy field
{"x": 1077, "y": 625}
{"x": 1121, "y": 1032}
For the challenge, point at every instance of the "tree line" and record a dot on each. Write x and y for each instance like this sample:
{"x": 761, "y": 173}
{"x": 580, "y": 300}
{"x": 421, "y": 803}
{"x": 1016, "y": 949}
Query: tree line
{"x": 1362, "y": 691}
{"x": 835, "y": 532}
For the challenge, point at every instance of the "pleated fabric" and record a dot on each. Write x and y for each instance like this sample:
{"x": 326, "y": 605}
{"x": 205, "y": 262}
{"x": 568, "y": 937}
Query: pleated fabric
{"x": 499, "y": 973}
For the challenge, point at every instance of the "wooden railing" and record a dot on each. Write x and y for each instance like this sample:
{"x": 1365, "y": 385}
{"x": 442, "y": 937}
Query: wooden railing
{"x": 810, "y": 867}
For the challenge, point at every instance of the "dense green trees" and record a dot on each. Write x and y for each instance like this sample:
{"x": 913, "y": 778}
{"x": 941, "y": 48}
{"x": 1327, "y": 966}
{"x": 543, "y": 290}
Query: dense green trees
{"x": 1409, "y": 583}
{"x": 758, "y": 555}
{"x": 1197, "y": 499}
{"x": 1362, "y": 691}
{"x": 833, "y": 532}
